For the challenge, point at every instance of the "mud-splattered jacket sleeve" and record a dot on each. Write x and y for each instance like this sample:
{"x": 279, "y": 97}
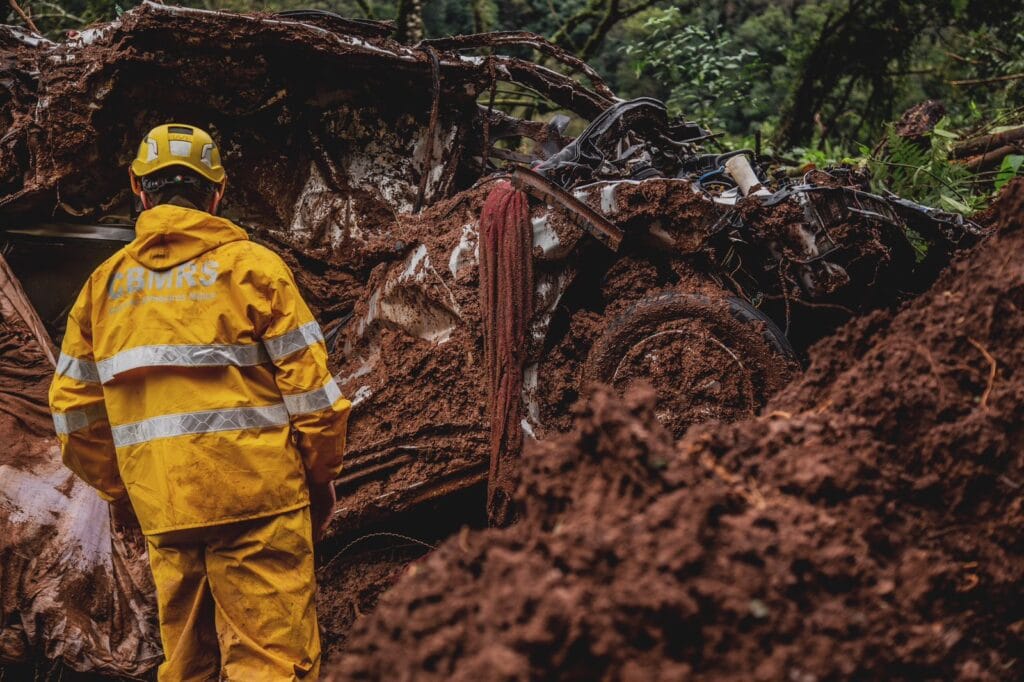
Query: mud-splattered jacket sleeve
{"x": 317, "y": 409}
{"x": 79, "y": 413}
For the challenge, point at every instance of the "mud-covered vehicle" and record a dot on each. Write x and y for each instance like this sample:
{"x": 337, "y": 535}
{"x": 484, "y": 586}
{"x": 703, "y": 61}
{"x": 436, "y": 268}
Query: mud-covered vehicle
{"x": 700, "y": 273}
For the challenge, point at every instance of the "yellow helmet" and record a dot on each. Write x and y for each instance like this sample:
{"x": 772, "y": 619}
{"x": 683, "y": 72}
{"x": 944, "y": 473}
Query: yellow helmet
{"x": 176, "y": 144}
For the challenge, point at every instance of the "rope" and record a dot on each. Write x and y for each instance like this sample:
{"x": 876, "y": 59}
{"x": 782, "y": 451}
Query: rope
{"x": 506, "y": 306}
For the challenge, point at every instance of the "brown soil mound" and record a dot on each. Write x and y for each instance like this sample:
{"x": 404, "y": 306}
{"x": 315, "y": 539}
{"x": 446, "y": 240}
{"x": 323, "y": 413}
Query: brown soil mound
{"x": 867, "y": 527}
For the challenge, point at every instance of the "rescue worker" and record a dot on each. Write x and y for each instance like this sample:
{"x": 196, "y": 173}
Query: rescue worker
{"x": 193, "y": 386}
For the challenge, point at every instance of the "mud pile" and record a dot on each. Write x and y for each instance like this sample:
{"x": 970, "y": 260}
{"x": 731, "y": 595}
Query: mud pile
{"x": 866, "y": 527}
{"x": 416, "y": 431}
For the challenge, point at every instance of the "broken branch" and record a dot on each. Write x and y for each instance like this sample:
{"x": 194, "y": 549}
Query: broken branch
{"x": 554, "y": 86}
{"x": 992, "y": 158}
{"x": 984, "y": 143}
{"x": 25, "y": 17}
{"x": 986, "y": 81}
{"x": 532, "y": 40}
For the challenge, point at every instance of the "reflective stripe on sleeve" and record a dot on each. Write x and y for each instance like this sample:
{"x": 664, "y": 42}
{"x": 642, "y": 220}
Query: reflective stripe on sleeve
{"x": 297, "y": 339}
{"x": 77, "y": 368}
{"x": 208, "y": 421}
{"x": 76, "y": 420}
{"x": 180, "y": 355}
{"x": 313, "y": 401}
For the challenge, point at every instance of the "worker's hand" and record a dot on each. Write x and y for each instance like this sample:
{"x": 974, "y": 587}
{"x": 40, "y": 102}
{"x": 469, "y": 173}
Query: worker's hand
{"x": 321, "y": 503}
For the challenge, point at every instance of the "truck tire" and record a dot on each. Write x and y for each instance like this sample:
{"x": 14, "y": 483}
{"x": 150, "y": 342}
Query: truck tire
{"x": 707, "y": 358}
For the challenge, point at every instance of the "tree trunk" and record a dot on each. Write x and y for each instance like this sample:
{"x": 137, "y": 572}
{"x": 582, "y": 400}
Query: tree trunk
{"x": 409, "y": 22}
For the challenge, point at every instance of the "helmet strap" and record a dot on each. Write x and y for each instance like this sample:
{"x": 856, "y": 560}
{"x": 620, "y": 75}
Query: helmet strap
{"x": 217, "y": 196}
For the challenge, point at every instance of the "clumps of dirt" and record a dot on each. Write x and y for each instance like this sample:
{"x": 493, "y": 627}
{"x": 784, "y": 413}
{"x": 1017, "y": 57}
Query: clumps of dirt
{"x": 682, "y": 219}
{"x": 694, "y": 362}
{"x": 521, "y": 582}
{"x": 417, "y": 429}
{"x": 330, "y": 285}
{"x": 562, "y": 369}
{"x": 919, "y": 120}
{"x": 866, "y": 527}
{"x": 854, "y": 265}
{"x": 285, "y": 131}
{"x": 349, "y": 587}
{"x": 783, "y": 222}
{"x": 256, "y": 82}
{"x": 354, "y": 569}
{"x": 593, "y": 343}
{"x": 644, "y": 271}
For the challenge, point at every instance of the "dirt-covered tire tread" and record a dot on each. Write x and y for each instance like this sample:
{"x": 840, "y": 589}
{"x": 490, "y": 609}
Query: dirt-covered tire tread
{"x": 644, "y": 316}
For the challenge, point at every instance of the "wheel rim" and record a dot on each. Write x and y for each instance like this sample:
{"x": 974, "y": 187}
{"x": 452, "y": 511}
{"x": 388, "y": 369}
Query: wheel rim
{"x": 696, "y": 374}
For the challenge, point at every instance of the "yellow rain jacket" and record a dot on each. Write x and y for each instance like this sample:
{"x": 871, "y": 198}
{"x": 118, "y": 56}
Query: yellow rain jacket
{"x": 194, "y": 378}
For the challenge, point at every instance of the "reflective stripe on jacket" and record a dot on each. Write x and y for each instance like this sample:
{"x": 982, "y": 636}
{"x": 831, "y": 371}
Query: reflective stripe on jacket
{"x": 193, "y": 377}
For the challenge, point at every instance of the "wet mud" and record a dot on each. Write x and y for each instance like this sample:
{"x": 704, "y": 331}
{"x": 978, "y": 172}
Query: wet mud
{"x": 866, "y": 526}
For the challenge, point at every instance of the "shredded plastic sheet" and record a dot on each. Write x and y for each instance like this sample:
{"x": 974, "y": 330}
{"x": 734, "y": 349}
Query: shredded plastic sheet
{"x": 73, "y": 585}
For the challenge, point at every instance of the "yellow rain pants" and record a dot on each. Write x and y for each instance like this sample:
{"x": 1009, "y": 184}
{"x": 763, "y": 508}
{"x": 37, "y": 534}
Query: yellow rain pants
{"x": 245, "y": 590}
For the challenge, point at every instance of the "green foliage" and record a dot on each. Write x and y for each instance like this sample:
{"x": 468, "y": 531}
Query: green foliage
{"x": 704, "y": 71}
{"x": 989, "y": 64}
{"x": 825, "y": 154}
{"x": 813, "y": 77}
{"x": 923, "y": 172}
{"x": 1008, "y": 170}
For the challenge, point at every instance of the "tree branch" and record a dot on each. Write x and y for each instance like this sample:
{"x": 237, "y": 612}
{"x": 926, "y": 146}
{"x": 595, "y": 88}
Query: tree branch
{"x": 25, "y": 17}
{"x": 992, "y": 158}
{"x": 984, "y": 143}
{"x": 532, "y": 40}
{"x": 563, "y": 36}
{"x": 610, "y": 18}
{"x": 981, "y": 81}
{"x": 366, "y": 8}
{"x": 608, "y": 14}
{"x": 60, "y": 12}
